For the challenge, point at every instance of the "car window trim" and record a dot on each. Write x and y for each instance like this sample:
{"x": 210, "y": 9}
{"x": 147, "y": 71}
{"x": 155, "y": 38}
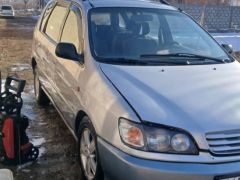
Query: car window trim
{"x": 41, "y": 23}
{"x": 78, "y": 6}
{"x": 66, "y": 5}
{"x": 79, "y": 23}
{"x": 45, "y": 25}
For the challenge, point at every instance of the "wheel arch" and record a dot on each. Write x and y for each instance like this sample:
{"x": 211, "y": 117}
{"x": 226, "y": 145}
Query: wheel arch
{"x": 80, "y": 115}
{"x": 34, "y": 63}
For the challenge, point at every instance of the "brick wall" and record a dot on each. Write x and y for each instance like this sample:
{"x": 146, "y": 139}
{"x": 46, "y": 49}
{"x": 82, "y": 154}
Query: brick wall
{"x": 203, "y": 2}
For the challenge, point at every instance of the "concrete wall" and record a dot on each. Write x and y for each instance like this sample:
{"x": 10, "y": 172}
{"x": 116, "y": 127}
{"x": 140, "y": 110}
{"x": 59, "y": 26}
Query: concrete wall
{"x": 215, "y": 18}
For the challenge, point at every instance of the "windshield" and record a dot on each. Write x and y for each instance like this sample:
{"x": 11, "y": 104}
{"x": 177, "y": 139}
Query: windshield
{"x": 6, "y": 8}
{"x": 133, "y": 33}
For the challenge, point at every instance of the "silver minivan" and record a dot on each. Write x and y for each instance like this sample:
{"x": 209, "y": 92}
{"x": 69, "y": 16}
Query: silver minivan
{"x": 145, "y": 90}
{"x": 7, "y": 11}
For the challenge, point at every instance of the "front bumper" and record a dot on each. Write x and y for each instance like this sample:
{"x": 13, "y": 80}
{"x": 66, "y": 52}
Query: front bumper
{"x": 120, "y": 166}
{"x": 6, "y": 15}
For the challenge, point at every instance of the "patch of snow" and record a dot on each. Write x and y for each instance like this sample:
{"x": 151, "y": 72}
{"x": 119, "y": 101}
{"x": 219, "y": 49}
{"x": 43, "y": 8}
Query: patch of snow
{"x": 2, "y": 85}
{"x": 36, "y": 17}
{"x": 38, "y": 141}
{"x": 42, "y": 124}
{"x": 27, "y": 97}
{"x": 20, "y": 67}
{"x": 23, "y": 166}
{"x": 26, "y": 170}
{"x": 42, "y": 151}
{"x": 228, "y": 38}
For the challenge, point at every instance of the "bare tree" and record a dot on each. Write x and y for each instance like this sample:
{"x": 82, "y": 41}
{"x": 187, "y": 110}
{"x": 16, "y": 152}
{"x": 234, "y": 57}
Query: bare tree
{"x": 25, "y": 2}
{"x": 41, "y": 4}
{"x": 202, "y": 20}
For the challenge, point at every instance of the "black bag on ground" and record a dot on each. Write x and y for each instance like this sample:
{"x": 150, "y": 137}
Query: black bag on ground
{"x": 15, "y": 147}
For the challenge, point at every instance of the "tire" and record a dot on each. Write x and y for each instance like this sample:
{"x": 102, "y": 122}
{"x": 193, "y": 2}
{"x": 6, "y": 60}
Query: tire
{"x": 40, "y": 95}
{"x": 87, "y": 138}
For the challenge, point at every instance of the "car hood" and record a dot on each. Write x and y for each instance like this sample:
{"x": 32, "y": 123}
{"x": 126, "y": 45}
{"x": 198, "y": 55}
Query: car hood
{"x": 199, "y": 98}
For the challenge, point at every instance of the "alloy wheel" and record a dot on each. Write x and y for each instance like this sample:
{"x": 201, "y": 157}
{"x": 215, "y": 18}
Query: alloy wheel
{"x": 88, "y": 154}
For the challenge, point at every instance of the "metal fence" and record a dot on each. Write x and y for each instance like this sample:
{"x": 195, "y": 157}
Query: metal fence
{"x": 214, "y": 18}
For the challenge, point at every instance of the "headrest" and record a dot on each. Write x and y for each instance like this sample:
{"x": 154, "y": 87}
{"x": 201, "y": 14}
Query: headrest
{"x": 145, "y": 29}
{"x": 103, "y": 29}
{"x": 135, "y": 28}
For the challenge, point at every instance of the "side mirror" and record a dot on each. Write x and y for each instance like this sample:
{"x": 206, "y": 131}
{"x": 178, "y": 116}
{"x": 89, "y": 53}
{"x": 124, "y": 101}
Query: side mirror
{"x": 68, "y": 51}
{"x": 228, "y": 48}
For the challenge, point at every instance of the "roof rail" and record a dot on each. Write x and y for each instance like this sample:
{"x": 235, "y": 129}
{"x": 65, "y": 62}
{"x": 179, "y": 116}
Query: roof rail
{"x": 161, "y": 1}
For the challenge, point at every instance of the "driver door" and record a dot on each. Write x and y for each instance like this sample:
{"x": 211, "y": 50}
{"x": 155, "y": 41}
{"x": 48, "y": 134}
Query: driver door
{"x": 67, "y": 71}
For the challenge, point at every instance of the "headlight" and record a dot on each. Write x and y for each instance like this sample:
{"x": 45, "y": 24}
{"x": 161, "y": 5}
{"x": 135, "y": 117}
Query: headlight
{"x": 180, "y": 142}
{"x": 131, "y": 134}
{"x": 155, "y": 139}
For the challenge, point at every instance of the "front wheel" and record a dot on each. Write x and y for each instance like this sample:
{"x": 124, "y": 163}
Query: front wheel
{"x": 88, "y": 152}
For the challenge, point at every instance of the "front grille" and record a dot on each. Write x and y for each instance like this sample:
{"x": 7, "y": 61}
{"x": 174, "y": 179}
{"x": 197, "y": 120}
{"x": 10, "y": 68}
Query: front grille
{"x": 224, "y": 143}
{"x": 6, "y": 14}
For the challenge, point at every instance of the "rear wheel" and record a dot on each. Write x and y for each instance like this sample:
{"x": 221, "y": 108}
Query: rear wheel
{"x": 40, "y": 95}
{"x": 88, "y": 151}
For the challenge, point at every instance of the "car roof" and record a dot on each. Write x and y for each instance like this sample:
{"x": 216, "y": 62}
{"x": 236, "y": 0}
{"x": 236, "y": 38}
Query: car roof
{"x": 130, "y": 3}
{"x": 1, "y": 6}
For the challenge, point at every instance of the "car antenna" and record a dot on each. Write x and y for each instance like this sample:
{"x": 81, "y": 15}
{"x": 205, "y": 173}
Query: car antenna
{"x": 164, "y": 2}
{"x": 167, "y": 3}
{"x": 90, "y": 2}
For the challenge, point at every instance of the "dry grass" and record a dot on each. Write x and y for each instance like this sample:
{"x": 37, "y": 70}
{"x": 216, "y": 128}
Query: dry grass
{"x": 15, "y": 46}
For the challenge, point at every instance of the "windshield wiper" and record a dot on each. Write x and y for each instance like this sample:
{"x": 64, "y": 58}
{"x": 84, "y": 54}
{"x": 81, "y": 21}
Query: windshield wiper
{"x": 130, "y": 61}
{"x": 122, "y": 61}
{"x": 185, "y": 55}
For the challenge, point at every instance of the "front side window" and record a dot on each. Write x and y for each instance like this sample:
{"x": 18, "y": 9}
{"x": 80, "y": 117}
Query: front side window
{"x": 189, "y": 35}
{"x": 102, "y": 18}
{"x": 55, "y": 22}
{"x": 143, "y": 33}
{"x": 72, "y": 30}
{"x": 46, "y": 15}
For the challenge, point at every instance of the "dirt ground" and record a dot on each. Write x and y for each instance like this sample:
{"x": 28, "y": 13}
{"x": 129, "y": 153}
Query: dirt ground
{"x": 58, "y": 159}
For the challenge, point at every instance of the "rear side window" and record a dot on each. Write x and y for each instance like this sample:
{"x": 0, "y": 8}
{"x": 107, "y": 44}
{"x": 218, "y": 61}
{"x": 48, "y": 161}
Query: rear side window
{"x": 55, "y": 22}
{"x": 72, "y": 31}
